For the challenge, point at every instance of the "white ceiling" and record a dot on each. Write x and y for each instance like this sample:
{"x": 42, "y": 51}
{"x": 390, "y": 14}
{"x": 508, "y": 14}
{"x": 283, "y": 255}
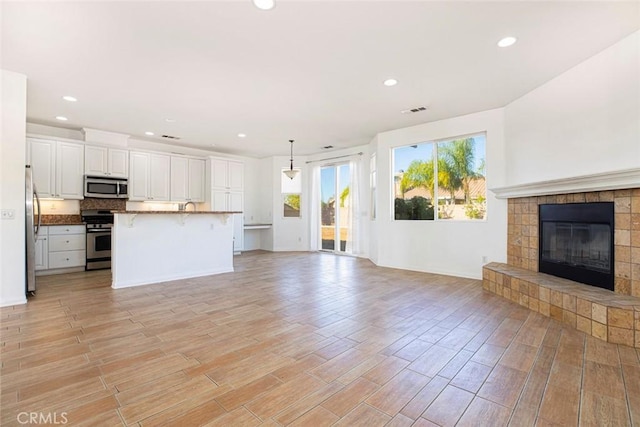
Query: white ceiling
{"x": 308, "y": 70}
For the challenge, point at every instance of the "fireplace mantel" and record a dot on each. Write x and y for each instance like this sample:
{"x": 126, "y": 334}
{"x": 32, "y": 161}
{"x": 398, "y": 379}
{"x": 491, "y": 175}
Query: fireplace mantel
{"x": 617, "y": 180}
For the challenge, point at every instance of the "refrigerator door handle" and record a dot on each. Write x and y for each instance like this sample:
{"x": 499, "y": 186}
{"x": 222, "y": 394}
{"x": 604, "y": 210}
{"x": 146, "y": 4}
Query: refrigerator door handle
{"x": 37, "y": 228}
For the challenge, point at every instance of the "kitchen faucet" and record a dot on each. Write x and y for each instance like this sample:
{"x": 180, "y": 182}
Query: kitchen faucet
{"x": 183, "y": 206}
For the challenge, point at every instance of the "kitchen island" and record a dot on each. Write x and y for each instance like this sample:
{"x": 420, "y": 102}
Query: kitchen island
{"x": 158, "y": 246}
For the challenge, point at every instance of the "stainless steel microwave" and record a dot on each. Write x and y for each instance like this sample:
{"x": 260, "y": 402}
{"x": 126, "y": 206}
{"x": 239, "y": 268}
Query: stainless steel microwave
{"x": 105, "y": 188}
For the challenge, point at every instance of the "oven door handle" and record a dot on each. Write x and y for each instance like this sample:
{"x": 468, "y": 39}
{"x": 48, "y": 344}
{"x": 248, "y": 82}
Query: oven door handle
{"x": 100, "y": 230}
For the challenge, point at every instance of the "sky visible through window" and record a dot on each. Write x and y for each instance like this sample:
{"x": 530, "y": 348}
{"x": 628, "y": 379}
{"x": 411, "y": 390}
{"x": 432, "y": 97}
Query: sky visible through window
{"x": 404, "y": 155}
{"x": 328, "y": 181}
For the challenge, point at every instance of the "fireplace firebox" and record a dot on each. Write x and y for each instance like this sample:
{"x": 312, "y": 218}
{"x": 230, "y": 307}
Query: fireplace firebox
{"x": 577, "y": 242}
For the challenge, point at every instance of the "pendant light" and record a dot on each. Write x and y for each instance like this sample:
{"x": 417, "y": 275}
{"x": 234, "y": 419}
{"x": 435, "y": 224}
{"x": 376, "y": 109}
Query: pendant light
{"x": 291, "y": 173}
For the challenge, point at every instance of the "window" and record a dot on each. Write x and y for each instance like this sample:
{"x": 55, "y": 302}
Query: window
{"x": 291, "y": 190}
{"x": 440, "y": 180}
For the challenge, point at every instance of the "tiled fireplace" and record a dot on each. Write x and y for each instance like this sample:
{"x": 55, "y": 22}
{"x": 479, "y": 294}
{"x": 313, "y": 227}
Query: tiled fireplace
{"x": 522, "y": 249}
{"x": 611, "y": 316}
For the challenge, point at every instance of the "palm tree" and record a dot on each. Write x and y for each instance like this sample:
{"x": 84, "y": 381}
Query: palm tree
{"x": 421, "y": 173}
{"x": 459, "y": 158}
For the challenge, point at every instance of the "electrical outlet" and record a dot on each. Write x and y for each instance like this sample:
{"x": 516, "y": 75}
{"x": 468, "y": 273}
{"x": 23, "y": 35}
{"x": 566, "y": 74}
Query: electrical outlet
{"x": 8, "y": 214}
{"x": 484, "y": 259}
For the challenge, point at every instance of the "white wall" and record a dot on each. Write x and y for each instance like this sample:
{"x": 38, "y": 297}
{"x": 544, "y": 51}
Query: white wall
{"x": 13, "y": 92}
{"x": 447, "y": 247}
{"x": 586, "y": 120}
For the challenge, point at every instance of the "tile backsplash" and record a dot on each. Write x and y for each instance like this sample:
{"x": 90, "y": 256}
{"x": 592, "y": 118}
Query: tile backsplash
{"x": 110, "y": 204}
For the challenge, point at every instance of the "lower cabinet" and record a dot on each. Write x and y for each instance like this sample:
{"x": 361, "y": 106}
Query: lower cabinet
{"x": 65, "y": 247}
{"x": 42, "y": 249}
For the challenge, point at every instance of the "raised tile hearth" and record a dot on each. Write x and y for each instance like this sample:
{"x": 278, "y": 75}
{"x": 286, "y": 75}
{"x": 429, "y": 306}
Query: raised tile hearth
{"x": 606, "y": 315}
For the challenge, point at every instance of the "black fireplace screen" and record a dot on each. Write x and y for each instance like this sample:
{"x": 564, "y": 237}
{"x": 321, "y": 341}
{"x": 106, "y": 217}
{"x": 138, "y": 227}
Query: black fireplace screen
{"x": 576, "y": 242}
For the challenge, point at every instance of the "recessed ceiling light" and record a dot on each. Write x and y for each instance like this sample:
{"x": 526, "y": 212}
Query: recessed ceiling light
{"x": 149, "y": 133}
{"x": 69, "y": 98}
{"x": 390, "y": 82}
{"x": 170, "y": 120}
{"x": 507, "y": 41}
{"x": 61, "y": 118}
{"x": 242, "y": 135}
{"x": 213, "y": 145}
{"x": 264, "y": 4}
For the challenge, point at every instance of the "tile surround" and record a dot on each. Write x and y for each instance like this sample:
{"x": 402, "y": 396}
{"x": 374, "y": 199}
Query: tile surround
{"x": 610, "y": 316}
{"x": 522, "y": 235}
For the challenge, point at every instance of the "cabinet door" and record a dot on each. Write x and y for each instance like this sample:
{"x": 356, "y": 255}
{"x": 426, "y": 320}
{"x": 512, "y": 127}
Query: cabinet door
{"x": 42, "y": 251}
{"x": 42, "y": 157}
{"x": 196, "y": 180}
{"x": 139, "y": 179}
{"x": 95, "y": 160}
{"x": 236, "y": 202}
{"x": 219, "y": 174}
{"x": 238, "y": 233}
{"x": 69, "y": 170}
{"x": 179, "y": 179}
{"x": 219, "y": 200}
{"x": 236, "y": 176}
{"x": 118, "y": 163}
{"x": 159, "y": 177}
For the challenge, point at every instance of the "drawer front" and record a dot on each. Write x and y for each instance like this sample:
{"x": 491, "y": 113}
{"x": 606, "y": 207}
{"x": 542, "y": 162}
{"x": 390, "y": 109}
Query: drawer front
{"x": 66, "y": 229}
{"x": 67, "y": 259}
{"x": 71, "y": 242}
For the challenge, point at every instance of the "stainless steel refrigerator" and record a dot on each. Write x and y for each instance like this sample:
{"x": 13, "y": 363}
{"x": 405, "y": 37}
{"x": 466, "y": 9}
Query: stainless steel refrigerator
{"x": 32, "y": 228}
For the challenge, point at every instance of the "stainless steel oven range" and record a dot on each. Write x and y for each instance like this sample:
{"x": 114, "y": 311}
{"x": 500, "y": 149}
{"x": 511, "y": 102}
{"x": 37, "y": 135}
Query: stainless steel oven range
{"x": 99, "y": 224}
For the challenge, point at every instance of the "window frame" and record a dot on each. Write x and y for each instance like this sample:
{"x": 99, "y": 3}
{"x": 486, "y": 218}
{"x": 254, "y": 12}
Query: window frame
{"x": 435, "y": 143}
{"x": 284, "y": 195}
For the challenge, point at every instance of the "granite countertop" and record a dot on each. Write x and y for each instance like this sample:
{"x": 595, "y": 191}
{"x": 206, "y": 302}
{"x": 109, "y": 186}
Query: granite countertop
{"x": 61, "y": 220}
{"x": 176, "y": 212}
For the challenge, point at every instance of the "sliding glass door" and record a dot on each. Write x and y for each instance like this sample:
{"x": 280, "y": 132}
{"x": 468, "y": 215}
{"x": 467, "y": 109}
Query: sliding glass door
{"x": 335, "y": 207}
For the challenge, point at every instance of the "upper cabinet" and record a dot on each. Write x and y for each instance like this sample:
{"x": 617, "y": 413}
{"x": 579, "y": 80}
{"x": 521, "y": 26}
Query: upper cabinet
{"x": 187, "y": 179}
{"x": 149, "y": 176}
{"x": 227, "y": 175}
{"x": 104, "y": 161}
{"x": 57, "y": 168}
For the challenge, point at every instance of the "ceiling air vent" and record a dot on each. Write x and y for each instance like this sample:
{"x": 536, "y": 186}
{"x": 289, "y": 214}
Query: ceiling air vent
{"x": 414, "y": 110}
{"x": 170, "y": 137}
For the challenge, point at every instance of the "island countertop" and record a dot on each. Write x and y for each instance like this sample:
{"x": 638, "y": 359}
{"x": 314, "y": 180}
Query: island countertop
{"x": 176, "y": 212}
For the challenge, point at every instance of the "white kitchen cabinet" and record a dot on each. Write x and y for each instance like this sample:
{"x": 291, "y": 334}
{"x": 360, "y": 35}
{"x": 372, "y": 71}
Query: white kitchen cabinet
{"x": 105, "y": 161}
{"x": 58, "y": 168}
{"x": 227, "y": 194}
{"x": 61, "y": 247}
{"x": 149, "y": 176}
{"x": 227, "y": 175}
{"x": 187, "y": 179}
{"x": 42, "y": 250}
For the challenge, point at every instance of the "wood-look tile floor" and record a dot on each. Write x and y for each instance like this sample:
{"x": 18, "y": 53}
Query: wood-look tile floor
{"x": 304, "y": 339}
